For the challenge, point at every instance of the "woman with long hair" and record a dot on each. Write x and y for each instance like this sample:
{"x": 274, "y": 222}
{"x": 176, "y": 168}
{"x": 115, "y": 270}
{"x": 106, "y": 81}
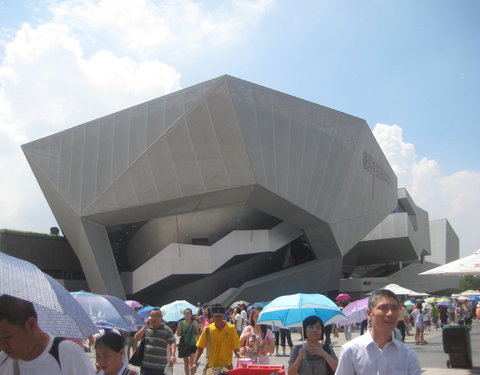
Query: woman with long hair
{"x": 257, "y": 340}
{"x": 188, "y": 332}
{"x": 313, "y": 357}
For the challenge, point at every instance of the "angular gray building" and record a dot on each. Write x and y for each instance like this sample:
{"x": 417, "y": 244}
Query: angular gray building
{"x": 398, "y": 249}
{"x": 224, "y": 188}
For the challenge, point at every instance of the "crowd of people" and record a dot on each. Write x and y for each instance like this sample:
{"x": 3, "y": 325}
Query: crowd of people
{"x": 228, "y": 338}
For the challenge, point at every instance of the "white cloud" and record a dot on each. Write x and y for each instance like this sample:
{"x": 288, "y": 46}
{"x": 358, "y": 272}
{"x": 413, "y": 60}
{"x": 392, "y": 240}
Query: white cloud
{"x": 455, "y": 197}
{"x": 148, "y": 29}
{"x": 93, "y": 58}
{"x": 48, "y": 85}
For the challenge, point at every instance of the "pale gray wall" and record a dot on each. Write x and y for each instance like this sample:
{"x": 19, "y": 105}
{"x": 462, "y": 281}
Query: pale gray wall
{"x": 400, "y": 236}
{"x": 212, "y": 224}
{"x": 445, "y": 242}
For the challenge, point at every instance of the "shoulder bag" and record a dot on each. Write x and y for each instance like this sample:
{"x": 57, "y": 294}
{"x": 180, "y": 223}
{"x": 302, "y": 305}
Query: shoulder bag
{"x": 137, "y": 356}
{"x": 184, "y": 344}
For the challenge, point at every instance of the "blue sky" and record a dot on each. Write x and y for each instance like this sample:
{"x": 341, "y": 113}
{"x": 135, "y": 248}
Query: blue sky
{"x": 411, "y": 69}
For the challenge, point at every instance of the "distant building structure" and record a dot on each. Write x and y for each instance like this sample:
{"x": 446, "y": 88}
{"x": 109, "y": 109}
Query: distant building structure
{"x": 226, "y": 189}
{"x": 445, "y": 243}
{"x": 51, "y": 253}
{"x": 398, "y": 249}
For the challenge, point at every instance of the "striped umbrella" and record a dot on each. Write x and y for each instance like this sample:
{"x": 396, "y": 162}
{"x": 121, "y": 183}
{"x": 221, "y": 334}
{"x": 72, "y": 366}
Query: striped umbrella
{"x": 58, "y": 312}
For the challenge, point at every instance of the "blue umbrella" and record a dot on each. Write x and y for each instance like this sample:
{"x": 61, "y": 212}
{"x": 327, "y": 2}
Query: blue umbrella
{"x": 444, "y": 303}
{"x": 291, "y": 310}
{"x": 260, "y": 305}
{"x": 475, "y": 298}
{"x": 145, "y": 311}
{"x": 173, "y": 312}
{"x": 108, "y": 310}
{"x": 58, "y": 312}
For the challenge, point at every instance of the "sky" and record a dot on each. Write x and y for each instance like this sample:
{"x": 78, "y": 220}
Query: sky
{"x": 410, "y": 68}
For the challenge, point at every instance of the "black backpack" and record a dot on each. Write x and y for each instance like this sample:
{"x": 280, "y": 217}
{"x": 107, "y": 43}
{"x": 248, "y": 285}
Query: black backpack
{"x": 53, "y": 350}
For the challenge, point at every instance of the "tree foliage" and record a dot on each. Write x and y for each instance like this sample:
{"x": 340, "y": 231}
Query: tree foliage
{"x": 469, "y": 282}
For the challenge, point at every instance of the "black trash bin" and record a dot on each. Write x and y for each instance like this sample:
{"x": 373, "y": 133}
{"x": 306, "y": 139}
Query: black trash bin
{"x": 457, "y": 344}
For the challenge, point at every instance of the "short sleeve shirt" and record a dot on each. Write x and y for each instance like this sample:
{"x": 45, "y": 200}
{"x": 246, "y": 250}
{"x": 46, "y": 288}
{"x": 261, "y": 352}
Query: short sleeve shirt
{"x": 311, "y": 364}
{"x": 156, "y": 342}
{"x": 222, "y": 344}
{"x": 72, "y": 359}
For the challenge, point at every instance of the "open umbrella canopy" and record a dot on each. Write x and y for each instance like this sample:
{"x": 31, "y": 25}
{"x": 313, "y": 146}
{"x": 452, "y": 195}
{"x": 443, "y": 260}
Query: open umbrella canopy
{"x": 173, "y": 311}
{"x": 133, "y": 304}
{"x": 469, "y": 265}
{"x": 356, "y": 312}
{"x": 260, "y": 305}
{"x": 444, "y": 299}
{"x": 408, "y": 304}
{"x": 237, "y": 303}
{"x": 58, "y": 312}
{"x": 108, "y": 310}
{"x": 291, "y": 310}
{"x": 145, "y": 311}
{"x": 471, "y": 293}
{"x": 401, "y": 291}
{"x": 430, "y": 300}
{"x": 342, "y": 297}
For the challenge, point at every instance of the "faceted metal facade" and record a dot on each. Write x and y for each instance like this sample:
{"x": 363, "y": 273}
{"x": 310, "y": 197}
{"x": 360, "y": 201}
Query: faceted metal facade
{"x": 217, "y": 145}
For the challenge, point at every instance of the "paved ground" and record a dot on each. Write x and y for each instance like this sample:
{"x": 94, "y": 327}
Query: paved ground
{"x": 431, "y": 356}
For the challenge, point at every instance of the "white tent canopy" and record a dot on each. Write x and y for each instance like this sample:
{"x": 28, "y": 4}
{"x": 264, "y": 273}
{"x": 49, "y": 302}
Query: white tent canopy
{"x": 469, "y": 265}
{"x": 471, "y": 293}
{"x": 401, "y": 291}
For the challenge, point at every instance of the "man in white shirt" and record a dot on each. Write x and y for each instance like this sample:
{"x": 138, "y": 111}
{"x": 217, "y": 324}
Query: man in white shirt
{"x": 27, "y": 350}
{"x": 377, "y": 352}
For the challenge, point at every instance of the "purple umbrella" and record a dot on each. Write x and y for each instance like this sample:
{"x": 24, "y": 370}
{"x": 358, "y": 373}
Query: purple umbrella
{"x": 133, "y": 304}
{"x": 356, "y": 312}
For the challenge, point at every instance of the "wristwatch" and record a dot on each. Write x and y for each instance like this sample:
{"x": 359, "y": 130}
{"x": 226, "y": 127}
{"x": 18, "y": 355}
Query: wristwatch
{"x": 196, "y": 363}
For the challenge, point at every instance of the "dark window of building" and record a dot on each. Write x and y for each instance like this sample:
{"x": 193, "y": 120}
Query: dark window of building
{"x": 200, "y": 241}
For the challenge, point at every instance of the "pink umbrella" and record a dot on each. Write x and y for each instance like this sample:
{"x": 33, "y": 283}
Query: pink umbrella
{"x": 133, "y": 304}
{"x": 356, "y": 311}
{"x": 342, "y": 297}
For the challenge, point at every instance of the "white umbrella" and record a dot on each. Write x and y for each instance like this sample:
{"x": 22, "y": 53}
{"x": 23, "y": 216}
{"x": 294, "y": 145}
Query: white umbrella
{"x": 401, "y": 291}
{"x": 173, "y": 311}
{"x": 469, "y": 265}
{"x": 471, "y": 293}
